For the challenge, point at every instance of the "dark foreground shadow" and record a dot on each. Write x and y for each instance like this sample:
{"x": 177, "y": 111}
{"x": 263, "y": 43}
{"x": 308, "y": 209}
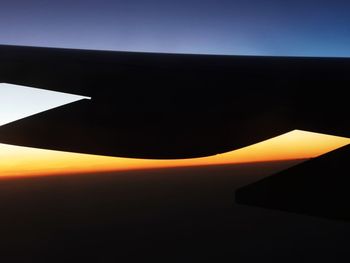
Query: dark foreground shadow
{"x": 165, "y": 215}
{"x": 318, "y": 187}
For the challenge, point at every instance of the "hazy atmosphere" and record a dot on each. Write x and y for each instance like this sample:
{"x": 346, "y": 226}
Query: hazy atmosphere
{"x": 297, "y": 28}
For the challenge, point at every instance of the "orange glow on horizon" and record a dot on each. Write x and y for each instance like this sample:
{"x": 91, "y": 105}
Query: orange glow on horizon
{"x": 24, "y": 161}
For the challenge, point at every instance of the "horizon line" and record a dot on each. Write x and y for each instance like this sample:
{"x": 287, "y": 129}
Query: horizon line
{"x": 175, "y": 53}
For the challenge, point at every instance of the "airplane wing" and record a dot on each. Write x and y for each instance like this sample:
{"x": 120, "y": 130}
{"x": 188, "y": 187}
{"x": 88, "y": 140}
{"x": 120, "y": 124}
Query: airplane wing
{"x": 317, "y": 187}
{"x": 168, "y": 106}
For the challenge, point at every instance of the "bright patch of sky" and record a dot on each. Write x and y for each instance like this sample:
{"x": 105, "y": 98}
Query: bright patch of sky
{"x": 17, "y": 102}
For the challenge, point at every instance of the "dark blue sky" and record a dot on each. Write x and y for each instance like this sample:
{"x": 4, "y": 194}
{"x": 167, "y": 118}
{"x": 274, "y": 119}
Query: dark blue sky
{"x": 251, "y": 27}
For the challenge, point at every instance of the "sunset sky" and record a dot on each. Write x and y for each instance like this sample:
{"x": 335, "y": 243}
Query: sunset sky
{"x": 285, "y": 69}
{"x": 24, "y": 161}
{"x": 19, "y": 101}
{"x": 232, "y": 27}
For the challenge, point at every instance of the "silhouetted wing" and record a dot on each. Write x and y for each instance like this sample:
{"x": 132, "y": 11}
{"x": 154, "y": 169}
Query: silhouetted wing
{"x": 171, "y": 105}
{"x": 318, "y": 187}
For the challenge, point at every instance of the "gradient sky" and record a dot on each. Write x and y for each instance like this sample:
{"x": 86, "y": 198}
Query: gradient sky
{"x": 250, "y": 27}
{"x": 235, "y": 27}
{"x": 24, "y": 161}
{"x": 20, "y": 101}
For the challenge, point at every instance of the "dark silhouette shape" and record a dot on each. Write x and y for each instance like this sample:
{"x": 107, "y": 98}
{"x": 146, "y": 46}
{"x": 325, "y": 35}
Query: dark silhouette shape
{"x": 182, "y": 215}
{"x": 82, "y": 127}
{"x": 318, "y": 187}
{"x": 173, "y": 106}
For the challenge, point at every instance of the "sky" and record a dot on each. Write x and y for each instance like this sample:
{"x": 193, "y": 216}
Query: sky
{"x": 17, "y": 102}
{"x": 17, "y": 161}
{"x": 242, "y": 27}
{"x": 235, "y": 27}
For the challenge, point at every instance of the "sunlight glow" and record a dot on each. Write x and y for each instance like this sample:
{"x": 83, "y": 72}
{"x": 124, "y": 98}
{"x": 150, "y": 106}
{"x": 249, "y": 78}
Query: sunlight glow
{"x": 25, "y": 161}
